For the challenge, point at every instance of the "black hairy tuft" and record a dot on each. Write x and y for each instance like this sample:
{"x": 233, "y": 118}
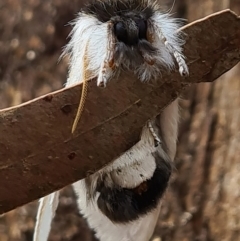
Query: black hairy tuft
{"x": 107, "y": 9}
{"x": 122, "y": 205}
{"x": 129, "y": 17}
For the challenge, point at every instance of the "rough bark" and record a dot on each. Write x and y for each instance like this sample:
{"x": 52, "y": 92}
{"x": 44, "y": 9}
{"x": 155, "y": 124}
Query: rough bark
{"x": 202, "y": 203}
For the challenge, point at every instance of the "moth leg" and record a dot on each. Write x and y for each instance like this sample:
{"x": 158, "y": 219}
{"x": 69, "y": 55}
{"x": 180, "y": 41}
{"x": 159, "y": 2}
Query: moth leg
{"x": 108, "y": 65}
{"x": 157, "y": 140}
{"x": 182, "y": 66}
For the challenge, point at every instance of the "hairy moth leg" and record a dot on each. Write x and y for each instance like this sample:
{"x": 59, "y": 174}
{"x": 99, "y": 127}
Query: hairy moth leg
{"x": 107, "y": 67}
{"x": 183, "y": 69}
{"x": 157, "y": 140}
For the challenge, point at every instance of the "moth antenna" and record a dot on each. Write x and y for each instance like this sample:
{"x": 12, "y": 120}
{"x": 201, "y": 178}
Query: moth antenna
{"x": 182, "y": 67}
{"x": 173, "y": 4}
{"x": 108, "y": 65}
{"x": 157, "y": 140}
{"x": 84, "y": 91}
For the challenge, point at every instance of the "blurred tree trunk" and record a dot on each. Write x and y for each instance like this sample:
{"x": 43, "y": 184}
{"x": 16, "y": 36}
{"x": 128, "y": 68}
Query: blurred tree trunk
{"x": 203, "y": 201}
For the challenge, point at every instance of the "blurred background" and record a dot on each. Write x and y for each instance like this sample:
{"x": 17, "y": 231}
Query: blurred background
{"x": 203, "y": 201}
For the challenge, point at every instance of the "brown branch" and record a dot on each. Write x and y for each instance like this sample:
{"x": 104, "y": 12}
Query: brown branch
{"x": 38, "y": 153}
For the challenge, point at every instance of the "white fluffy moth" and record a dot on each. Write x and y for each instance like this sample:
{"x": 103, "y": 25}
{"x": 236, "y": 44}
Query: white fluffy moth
{"x": 121, "y": 202}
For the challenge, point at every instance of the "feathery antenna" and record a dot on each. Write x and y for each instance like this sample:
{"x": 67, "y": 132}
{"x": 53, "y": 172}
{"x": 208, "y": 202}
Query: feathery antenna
{"x": 84, "y": 91}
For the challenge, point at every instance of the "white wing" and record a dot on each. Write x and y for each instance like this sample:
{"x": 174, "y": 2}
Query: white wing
{"x": 46, "y": 212}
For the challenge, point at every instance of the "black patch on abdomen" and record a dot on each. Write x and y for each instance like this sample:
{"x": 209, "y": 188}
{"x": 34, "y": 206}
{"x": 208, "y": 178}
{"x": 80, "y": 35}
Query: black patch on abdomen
{"x": 122, "y": 205}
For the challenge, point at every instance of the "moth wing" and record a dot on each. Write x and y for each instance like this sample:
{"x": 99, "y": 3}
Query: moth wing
{"x": 46, "y": 212}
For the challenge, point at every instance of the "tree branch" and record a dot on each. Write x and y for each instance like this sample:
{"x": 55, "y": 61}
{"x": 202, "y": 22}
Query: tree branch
{"x": 38, "y": 153}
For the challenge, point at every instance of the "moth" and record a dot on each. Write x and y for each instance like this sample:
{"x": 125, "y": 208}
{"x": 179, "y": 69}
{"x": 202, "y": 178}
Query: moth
{"x": 121, "y": 202}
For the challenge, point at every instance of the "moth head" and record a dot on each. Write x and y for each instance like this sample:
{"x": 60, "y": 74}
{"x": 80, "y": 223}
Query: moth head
{"x": 129, "y": 34}
{"x": 128, "y": 17}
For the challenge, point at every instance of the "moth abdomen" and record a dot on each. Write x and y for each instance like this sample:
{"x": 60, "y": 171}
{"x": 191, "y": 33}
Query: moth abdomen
{"x": 122, "y": 205}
